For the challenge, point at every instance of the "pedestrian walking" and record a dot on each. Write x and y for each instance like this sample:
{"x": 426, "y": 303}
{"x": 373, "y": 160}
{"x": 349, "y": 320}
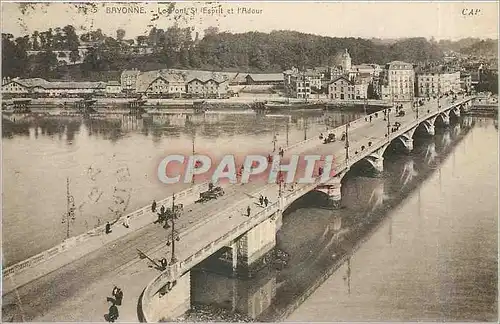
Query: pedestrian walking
{"x": 162, "y": 209}
{"x": 126, "y": 222}
{"x": 153, "y": 206}
{"x": 119, "y": 297}
{"x": 163, "y": 263}
{"x": 108, "y": 228}
{"x": 248, "y": 211}
{"x": 113, "y": 314}
{"x": 320, "y": 171}
{"x": 266, "y": 201}
{"x": 370, "y": 118}
{"x": 261, "y": 200}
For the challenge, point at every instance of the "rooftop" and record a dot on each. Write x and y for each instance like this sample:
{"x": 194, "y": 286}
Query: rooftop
{"x": 42, "y": 83}
{"x": 266, "y": 76}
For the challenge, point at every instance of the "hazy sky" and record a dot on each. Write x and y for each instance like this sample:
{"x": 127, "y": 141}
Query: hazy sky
{"x": 443, "y": 20}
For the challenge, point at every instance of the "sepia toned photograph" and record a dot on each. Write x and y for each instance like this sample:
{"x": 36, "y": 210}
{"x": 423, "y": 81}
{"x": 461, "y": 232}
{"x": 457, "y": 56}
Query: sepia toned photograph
{"x": 249, "y": 161}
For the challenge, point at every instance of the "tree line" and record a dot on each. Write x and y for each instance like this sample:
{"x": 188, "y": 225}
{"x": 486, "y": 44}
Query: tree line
{"x": 176, "y": 47}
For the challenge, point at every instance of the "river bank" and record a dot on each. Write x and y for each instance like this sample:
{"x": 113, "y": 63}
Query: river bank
{"x": 279, "y": 103}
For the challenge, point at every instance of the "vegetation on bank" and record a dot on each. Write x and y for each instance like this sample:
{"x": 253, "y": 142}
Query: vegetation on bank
{"x": 176, "y": 48}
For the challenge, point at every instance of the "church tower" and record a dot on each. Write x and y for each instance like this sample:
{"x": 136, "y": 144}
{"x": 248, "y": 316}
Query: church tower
{"x": 346, "y": 61}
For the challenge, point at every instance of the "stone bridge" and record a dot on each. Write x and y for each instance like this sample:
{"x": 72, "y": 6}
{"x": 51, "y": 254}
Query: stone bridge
{"x": 168, "y": 295}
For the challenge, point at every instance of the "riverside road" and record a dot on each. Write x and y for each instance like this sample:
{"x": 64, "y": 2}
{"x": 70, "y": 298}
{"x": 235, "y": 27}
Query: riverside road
{"x": 78, "y": 291}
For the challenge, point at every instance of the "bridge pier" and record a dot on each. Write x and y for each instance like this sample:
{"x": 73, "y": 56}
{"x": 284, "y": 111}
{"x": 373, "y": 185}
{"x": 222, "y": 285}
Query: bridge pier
{"x": 429, "y": 126}
{"x": 445, "y": 117}
{"x": 376, "y": 159}
{"x": 171, "y": 301}
{"x": 379, "y": 164}
{"x": 255, "y": 244}
{"x": 407, "y": 142}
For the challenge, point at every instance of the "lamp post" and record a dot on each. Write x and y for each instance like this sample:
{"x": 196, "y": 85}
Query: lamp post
{"x": 305, "y": 126}
{"x": 69, "y": 216}
{"x": 439, "y": 90}
{"x": 192, "y": 143}
{"x": 173, "y": 235}
{"x": 388, "y": 123}
{"x": 347, "y": 144}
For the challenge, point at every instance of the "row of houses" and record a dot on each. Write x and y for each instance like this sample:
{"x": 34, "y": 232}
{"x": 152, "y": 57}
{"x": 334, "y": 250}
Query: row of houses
{"x": 396, "y": 81}
{"x": 168, "y": 83}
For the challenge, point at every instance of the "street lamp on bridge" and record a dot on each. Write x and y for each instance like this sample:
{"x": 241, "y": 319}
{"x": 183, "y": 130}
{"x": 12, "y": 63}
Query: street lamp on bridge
{"x": 388, "y": 123}
{"x": 347, "y": 143}
{"x": 193, "y": 135}
{"x": 173, "y": 236}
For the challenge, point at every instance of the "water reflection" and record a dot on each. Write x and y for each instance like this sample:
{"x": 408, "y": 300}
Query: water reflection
{"x": 442, "y": 240}
{"x": 320, "y": 240}
{"x": 247, "y": 297}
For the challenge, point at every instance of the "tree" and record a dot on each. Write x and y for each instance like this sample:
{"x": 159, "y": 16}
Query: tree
{"x": 120, "y": 34}
{"x": 14, "y": 57}
{"x": 43, "y": 64}
{"x": 74, "y": 56}
{"x": 142, "y": 40}
{"x": 372, "y": 92}
{"x": 72, "y": 41}
{"x": 35, "y": 44}
{"x": 211, "y": 31}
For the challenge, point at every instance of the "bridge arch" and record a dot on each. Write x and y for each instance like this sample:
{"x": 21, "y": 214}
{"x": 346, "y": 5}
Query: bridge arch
{"x": 426, "y": 127}
{"x": 443, "y": 119}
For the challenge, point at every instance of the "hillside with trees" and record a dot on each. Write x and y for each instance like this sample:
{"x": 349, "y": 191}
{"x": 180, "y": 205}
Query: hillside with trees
{"x": 176, "y": 48}
{"x": 483, "y": 48}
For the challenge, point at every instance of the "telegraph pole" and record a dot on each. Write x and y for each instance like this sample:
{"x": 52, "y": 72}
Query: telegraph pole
{"x": 174, "y": 235}
{"x": 275, "y": 138}
{"x": 388, "y": 123}
{"x": 287, "y": 129}
{"x": 347, "y": 143}
{"x": 70, "y": 210}
{"x": 192, "y": 143}
{"x": 439, "y": 90}
{"x": 305, "y": 126}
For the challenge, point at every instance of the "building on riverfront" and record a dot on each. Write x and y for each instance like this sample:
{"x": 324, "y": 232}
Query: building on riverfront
{"x": 113, "y": 88}
{"x": 128, "y": 80}
{"x": 344, "y": 89}
{"x": 432, "y": 84}
{"x": 297, "y": 84}
{"x": 397, "y": 81}
{"x": 42, "y": 88}
{"x": 465, "y": 81}
{"x": 169, "y": 83}
{"x": 160, "y": 84}
{"x": 205, "y": 86}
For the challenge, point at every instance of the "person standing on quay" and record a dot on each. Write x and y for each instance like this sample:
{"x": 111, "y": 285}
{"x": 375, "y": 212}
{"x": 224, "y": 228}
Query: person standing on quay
{"x": 153, "y": 206}
{"x": 108, "y": 228}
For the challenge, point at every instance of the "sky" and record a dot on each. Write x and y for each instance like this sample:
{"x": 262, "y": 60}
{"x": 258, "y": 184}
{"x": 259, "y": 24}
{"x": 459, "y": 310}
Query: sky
{"x": 441, "y": 20}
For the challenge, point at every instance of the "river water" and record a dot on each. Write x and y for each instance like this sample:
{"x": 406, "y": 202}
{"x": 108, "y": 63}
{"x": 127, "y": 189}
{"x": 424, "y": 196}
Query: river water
{"x": 415, "y": 243}
{"x": 112, "y": 165}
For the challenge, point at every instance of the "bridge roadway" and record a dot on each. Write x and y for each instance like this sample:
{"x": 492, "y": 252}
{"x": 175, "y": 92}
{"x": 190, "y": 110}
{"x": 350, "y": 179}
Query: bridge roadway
{"x": 78, "y": 291}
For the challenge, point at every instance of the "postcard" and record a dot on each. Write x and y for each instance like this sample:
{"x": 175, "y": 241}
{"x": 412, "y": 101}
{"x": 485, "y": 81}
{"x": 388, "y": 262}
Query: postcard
{"x": 249, "y": 161}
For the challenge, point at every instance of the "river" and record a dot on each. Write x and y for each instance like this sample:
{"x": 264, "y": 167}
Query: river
{"x": 111, "y": 165}
{"x": 415, "y": 243}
